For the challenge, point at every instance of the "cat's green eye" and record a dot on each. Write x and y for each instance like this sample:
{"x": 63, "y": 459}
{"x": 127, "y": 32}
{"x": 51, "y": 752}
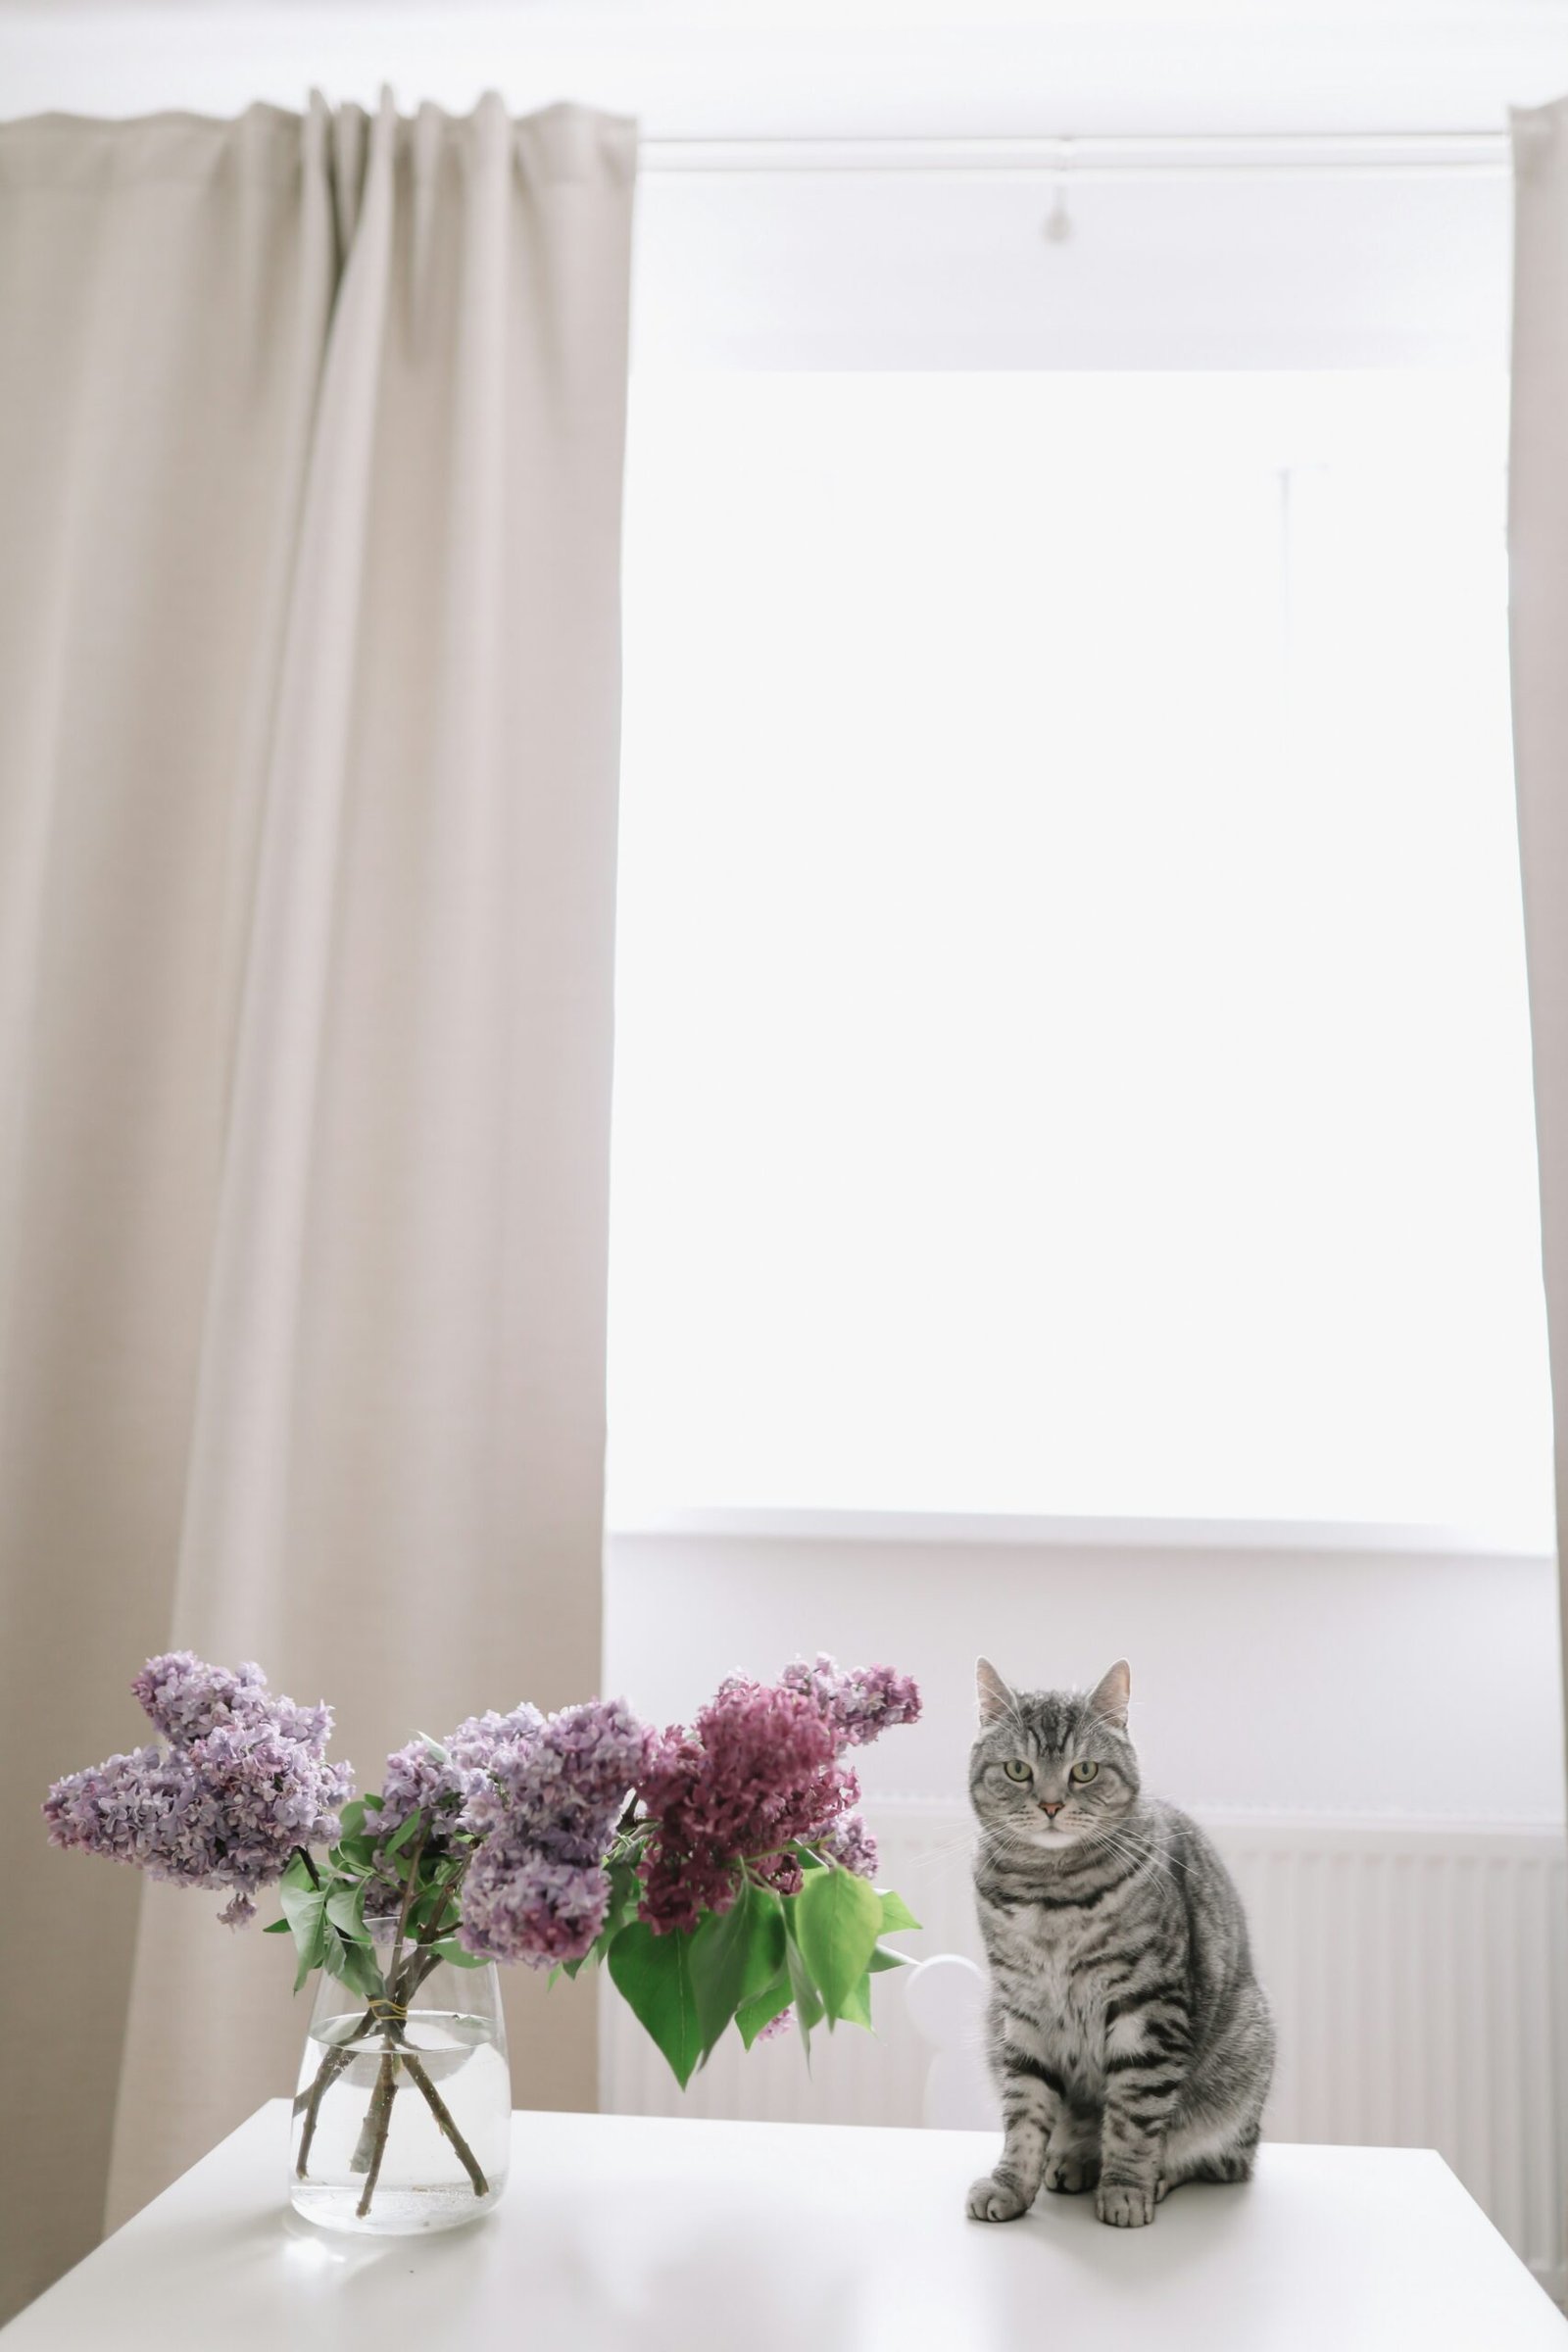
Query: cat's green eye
{"x": 1085, "y": 1771}
{"x": 1016, "y": 1769}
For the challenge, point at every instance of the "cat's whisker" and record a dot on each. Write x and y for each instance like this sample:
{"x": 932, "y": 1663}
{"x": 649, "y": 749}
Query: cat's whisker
{"x": 1138, "y": 1850}
{"x": 1147, "y": 1856}
{"x": 930, "y": 1855}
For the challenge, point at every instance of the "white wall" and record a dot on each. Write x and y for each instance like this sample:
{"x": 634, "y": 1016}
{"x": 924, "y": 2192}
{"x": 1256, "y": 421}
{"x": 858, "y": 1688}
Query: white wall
{"x": 1421, "y": 1688}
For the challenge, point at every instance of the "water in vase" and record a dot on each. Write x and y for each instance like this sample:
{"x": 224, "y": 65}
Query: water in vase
{"x": 403, "y": 2130}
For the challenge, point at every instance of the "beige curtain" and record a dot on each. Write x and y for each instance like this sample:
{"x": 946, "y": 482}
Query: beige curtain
{"x": 310, "y": 440}
{"x": 1538, "y": 562}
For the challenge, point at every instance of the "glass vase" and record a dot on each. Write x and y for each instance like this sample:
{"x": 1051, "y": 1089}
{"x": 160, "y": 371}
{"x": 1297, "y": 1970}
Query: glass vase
{"x": 403, "y": 2116}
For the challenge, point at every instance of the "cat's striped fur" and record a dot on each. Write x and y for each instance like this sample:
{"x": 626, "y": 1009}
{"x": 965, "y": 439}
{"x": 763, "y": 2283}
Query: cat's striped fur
{"x": 1129, "y": 2038}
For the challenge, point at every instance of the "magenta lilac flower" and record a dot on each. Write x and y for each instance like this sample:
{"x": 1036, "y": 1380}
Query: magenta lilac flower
{"x": 243, "y": 1780}
{"x": 757, "y": 1771}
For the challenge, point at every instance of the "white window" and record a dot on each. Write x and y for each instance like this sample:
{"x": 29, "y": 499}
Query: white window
{"x": 1072, "y": 1055}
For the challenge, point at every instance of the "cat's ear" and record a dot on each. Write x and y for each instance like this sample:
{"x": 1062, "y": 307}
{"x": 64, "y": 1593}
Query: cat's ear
{"x": 996, "y": 1699}
{"x": 1109, "y": 1699}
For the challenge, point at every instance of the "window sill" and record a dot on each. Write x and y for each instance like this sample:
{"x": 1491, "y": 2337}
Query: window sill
{"x": 1006, "y": 1529}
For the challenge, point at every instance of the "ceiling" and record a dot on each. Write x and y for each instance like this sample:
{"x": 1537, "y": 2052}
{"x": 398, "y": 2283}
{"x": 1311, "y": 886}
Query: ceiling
{"x": 731, "y": 68}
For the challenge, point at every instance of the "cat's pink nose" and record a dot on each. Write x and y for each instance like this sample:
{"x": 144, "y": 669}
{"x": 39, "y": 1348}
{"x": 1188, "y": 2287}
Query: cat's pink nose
{"x": 1054, "y": 1809}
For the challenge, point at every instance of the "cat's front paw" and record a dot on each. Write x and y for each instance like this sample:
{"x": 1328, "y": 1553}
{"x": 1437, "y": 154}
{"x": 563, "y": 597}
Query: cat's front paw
{"x": 1070, "y": 2174}
{"x": 1125, "y": 2204}
{"x": 993, "y": 2200}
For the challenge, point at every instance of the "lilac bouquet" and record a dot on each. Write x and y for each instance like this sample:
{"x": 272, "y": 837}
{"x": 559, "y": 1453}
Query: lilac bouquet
{"x": 719, "y": 1868}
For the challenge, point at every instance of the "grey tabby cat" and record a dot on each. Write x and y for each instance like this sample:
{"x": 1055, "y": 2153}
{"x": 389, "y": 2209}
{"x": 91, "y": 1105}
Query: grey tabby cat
{"x": 1129, "y": 2038}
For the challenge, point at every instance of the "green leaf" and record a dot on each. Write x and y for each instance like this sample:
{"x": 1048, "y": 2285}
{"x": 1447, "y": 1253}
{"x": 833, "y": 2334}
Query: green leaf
{"x": 374, "y": 1802}
{"x": 403, "y": 1832}
{"x": 857, "y": 2008}
{"x": 355, "y": 1853}
{"x": 298, "y": 1871}
{"x": 885, "y": 1957}
{"x": 896, "y": 1913}
{"x": 345, "y": 1908}
{"x": 351, "y": 1818}
{"x": 807, "y": 2008}
{"x": 626, "y": 1887}
{"x": 761, "y": 2009}
{"x": 456, "y": 1955}
{"x": 279, "y": 1927}
{"x": 838, "y": 1919}
{"x": 305, "y": 1909}
{"x": 653, "y": 1974}
{"x": 765, "y": 1960}
{"x": 353, "y": 1964}
{"x": 719, "y": 1956}
{"x": 427, "y": 1908}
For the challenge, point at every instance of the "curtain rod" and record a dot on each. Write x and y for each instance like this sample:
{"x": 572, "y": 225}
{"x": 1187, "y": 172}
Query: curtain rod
{"x": 1352, "y": 155}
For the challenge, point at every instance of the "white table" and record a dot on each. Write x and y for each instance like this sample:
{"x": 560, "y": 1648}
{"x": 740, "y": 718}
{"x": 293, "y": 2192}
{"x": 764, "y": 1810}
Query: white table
{"x": 647, "y": 2236}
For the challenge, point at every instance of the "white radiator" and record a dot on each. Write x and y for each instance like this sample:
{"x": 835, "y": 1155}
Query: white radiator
{"x": 1419, "y": 1974}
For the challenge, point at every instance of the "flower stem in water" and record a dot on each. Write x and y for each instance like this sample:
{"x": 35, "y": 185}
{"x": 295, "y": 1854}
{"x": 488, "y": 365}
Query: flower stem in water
{"x": 378, "y": 2114}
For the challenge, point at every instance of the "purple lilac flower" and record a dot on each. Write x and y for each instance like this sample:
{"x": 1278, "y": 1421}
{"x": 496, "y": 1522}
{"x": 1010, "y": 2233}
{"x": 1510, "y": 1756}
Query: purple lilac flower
{"x": 439, "y": 1778}
{"x": 442, "y": 1776}
{"x": 851, "y": 1845}
{"x": 860, "y": 1702}
{"x": 420, "y": 1774}
{"x": 545, "y": 1810}
{"x": 243, "y": 1780}
{"x": 560, "y": 1788}
{"x": 778, "y": 2026}
{"x": 186, "y": 1698}
{"x": 523, "y": 1906}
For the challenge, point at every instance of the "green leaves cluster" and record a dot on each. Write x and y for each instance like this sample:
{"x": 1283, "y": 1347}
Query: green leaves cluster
{"x": 818, "y": 1949}
{"x": 323, "y": 1903}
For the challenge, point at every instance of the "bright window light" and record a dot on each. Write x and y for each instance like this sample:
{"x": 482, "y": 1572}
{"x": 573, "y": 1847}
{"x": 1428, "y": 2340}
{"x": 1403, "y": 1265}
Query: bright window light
{"x": 1072, "y": 1055}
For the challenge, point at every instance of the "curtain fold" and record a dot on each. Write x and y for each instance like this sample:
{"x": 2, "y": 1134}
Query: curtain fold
{"x": 1538, "y": 613}
{"x": 311, "y": 436}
